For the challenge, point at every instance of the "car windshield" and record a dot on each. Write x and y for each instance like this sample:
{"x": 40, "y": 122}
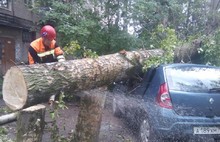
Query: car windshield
{"x": 193, "y": 79}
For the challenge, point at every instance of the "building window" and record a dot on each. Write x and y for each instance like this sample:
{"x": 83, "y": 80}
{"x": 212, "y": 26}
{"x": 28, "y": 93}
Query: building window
{"x": 28, "y": 36}
{"x": 29, "y": 3}
{"x": 4, "y": 4}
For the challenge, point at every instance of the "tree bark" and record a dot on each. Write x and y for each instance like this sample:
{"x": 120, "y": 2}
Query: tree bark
{"x": 90, "y": 116}
{"x": 28, "y": 85}
{"x": 30, "y": 124}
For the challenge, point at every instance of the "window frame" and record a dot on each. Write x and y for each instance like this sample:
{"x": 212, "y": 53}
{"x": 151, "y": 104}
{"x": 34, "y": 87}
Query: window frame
{"x": 9, "y": 5}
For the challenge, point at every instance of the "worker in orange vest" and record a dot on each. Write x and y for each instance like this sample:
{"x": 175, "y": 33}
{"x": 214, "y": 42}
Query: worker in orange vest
{"x": 45, "y": 49}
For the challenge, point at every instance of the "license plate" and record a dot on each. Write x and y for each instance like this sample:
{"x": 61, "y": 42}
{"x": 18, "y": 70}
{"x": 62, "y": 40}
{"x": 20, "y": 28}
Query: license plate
{"x": 206, "y": 130}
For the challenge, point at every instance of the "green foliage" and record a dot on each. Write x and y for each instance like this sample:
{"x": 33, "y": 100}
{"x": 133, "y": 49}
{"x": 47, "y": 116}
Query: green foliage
{"x": 3, "y": 135}
{"x": 195, "y": 17}
{"x": 61, "y": 103}
{"x": 73, "y": 49}
{"x": 211, "y": 49}
{"x": 88, "y": 53}
{"x": 96, "y": 31}
{"x": 165, "y": 39}
{"x": 101, "y": 27}
{"x": 149, "y": 14}
{"x": 70, "y": 20}
{"x": 115, "y": 40}
{"x": 54, "y": 114}
{"x": 3, "y": 130}
{"x": 186, "y": 17}
{"x": 5, "y": 110}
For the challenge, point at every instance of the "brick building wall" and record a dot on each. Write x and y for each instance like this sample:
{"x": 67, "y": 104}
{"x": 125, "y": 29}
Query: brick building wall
{"x": 17, "y": 23}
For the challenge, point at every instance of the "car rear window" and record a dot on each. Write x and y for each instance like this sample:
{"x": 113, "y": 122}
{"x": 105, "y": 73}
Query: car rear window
{"x": 192, "y": 79}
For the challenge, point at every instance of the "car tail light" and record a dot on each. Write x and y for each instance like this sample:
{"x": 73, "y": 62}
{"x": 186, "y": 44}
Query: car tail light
{"x": 163, "y": 98}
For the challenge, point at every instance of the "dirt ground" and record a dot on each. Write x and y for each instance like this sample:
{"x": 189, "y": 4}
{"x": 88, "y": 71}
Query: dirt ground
{"x": 113, "y": 129}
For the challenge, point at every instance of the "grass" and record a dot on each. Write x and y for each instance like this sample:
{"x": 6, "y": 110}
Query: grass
{"x": 3, "y": 135}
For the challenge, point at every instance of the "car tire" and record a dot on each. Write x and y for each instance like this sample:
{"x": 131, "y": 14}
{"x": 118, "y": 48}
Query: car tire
{"x": 146, "y": 134}
{"x": 115, "y": 107}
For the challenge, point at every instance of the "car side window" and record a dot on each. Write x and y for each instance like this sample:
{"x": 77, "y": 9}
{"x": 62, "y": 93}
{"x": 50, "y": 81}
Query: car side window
{"x": 154, "y": 83}
{"x": 147, "y": 79}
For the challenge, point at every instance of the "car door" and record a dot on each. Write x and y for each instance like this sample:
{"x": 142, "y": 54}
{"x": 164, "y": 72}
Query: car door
{"x": 155, "y": 78}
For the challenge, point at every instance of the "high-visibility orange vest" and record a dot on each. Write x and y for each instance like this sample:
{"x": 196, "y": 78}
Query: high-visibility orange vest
{"x": 39, "y": 54}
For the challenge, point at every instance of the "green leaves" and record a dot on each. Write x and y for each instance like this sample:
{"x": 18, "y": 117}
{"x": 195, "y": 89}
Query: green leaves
{"x": 166, "y": 39}
{"x": 211, "y": 49}
{"x": 101, "y": 27}
{"x": 97, "y": 26}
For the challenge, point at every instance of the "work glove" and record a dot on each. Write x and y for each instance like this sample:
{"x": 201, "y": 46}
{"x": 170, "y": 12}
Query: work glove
{"x": 61, "y": 58}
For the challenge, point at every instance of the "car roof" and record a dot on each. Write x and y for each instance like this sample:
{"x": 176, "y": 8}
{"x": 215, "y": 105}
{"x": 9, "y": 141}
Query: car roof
{"x": 187, "y": 65}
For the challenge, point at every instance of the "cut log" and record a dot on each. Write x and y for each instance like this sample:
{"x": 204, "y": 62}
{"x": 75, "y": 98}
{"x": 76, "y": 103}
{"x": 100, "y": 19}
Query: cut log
{"x": 8, "y": 118}
{"x": 90, "y": 115}
{"x": 28, "y": 85}
{"x": 30, "y": 124}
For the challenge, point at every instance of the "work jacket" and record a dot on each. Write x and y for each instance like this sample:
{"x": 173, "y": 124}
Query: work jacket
{"x": 38, "y": 53}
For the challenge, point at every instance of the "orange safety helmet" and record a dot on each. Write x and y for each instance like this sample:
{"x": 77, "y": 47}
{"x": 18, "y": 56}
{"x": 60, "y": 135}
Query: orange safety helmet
{"x": 48, "y": 32}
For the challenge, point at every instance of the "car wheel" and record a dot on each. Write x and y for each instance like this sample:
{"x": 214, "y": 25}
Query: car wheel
{"x": 115, "y": 107}
{"x": 146, "y": 134}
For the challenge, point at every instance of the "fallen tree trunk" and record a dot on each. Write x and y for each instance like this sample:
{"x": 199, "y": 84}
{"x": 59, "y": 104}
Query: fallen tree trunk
{"x": 28, "y": 85}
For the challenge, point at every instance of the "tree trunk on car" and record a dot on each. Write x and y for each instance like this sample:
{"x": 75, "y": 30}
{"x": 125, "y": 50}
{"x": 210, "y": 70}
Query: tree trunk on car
{"x": 28, "y": 85}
